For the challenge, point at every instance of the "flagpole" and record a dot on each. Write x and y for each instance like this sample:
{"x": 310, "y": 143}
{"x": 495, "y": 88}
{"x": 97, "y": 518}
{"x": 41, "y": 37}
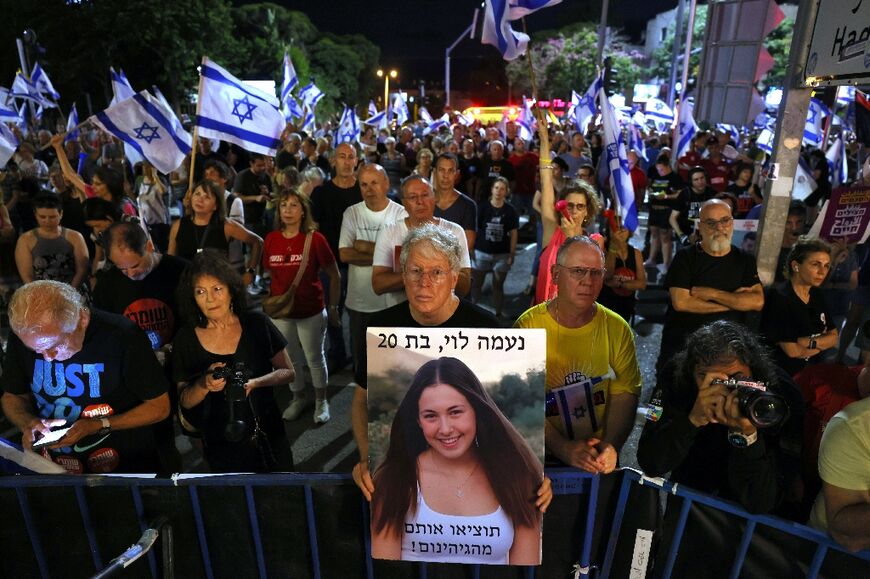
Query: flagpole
{"x": 544, "y": 161}
{"x": 195, "y": 134}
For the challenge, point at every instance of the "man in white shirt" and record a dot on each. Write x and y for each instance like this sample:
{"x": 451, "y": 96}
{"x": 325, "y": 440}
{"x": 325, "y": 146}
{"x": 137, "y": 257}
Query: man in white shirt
{"x": 360, "y": 226}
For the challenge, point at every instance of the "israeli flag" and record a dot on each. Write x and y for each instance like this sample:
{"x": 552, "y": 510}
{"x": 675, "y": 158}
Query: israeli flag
{"x": 40, "y": 80}
{"x": 586, "y": 108}
{"x": 290, "y": 79}
{"x": 373, "y": 110}
{"x": 519, "y": 8}
{"x": 71, "y": 123}
{"x": 498, "y": 32}
{"x": 845, "y": 95}
{"x": 149, "y": 128}
{"x": 526, "y": 121}
{"x": 8, "y": 144}
{"x": 617, "y": 164}
{"x": 465, "y": 121}
{"x": 635, "y": 141}
{"x": 400, "y": 109}
{"x": 233, "y": 111}
{"x": 732, "y": 131}
{"x": 813, "y": 130}
{"x": 26, "y": 90}
{"x": 121, "y": 87}
{"x": 8, "y": 112}
{"x": 804, "y": 184}
{"x": 638, "y": 119}
{"x": 308, "y": 124}
{"x": 348, "y": 128}
{"x": 660, "y": 113}
{"x": 376, "y": 119}
{"x": 310, "y": 95}
{"x": 292, "y": 110}
{"x": 838, "y": 168}
{"x": 686, "y": 128}
{"x": 765, "y": 140}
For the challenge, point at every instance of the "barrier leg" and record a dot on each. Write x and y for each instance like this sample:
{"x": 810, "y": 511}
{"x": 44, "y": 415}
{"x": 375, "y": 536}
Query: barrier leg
{"x": 255, "y": 530}
{"x": 143, "y": 525}
{"x": 616, "y": 525}
{"x": 586, "y": 549}
{"x": 678, "y": 536}
{"x": 818, "y": 559}
{"x": 741, "y": 551}
{"x": 312, "y": 531}
{"x": 89, "y": 527}
{"x": 200, "y": 532}
{"x": 31, "y": 532}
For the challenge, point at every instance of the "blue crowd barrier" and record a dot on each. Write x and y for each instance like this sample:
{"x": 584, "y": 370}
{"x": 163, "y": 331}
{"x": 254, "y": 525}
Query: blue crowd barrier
{"x": 823, "y": 543}
{"x": 200, "y": 550}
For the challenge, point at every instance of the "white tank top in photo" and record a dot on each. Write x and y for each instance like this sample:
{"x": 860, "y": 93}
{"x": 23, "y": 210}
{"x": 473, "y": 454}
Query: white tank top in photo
{"x": 433, "y": 536}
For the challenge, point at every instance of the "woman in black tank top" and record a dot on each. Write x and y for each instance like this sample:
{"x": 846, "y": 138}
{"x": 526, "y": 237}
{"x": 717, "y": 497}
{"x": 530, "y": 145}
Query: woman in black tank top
{"x": 205, "y": 227}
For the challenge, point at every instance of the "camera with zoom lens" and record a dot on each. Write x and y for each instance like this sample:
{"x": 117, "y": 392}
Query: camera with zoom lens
{"x": 236, "y": 377}
{"x": 763, "y": 408}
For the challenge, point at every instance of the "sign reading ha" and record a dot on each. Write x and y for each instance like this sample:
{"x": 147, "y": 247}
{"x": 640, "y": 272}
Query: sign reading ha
{"x": 840, "y": 49}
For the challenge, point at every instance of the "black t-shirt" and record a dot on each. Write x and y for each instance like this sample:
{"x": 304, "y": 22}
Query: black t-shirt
{"x": 114, "y": 372}
{"x": 328, "y": 203}
{"x": 149, "y": 302}
{"x": 463, "y": 212}
{"x": 259, "y": 343}
{"x": 285, "y": 159}
{"x": 695, "y": 267}
{"x": 658, "y": 184}
{"x": 494, "y": 225}
{"x": 191, "y": 238}
{"x": 688, "y": 204}
{"x": 493, "y": 169}
{"x": 249, "y": 183}
{"x": 468, "y": 169}
{"x": 322, "y": 163}
{"x": 399, "y": 316}
{"x": 785, "y": 318}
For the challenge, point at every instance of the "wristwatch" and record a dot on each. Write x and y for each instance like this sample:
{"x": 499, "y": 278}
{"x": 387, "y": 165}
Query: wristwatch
{"x": 740, "y": 440}
{"x": 106, "y": 427}
{"x": 813, "y": 344}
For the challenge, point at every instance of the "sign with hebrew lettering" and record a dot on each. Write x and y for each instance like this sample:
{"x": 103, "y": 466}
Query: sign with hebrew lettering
{"x": 840, "y": 49}
{"x": 845, "y": 215}
{"x": 456, "y": 443}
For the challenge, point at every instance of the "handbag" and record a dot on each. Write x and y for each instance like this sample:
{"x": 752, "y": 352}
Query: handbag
{"x": 280, "y": 306}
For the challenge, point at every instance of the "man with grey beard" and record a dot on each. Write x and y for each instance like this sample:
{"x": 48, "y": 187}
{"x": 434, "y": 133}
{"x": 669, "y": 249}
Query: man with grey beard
{"x": 712, "y": 280}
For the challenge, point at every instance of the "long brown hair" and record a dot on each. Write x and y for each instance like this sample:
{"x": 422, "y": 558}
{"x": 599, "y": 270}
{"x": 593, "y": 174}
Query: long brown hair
{"x": 513, "y": 471}
{"x": 308, "y": 224}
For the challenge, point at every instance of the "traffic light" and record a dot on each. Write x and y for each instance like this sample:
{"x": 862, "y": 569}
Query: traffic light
{"x": 611, "y": 77}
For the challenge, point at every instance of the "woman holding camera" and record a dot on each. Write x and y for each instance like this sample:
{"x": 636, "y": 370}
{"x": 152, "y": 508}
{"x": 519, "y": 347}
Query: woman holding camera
{"x": 234, "y": 411}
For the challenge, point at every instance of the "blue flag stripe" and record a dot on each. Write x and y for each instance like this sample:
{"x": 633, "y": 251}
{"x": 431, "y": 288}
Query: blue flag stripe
{"x": 112, "y": 128}
{"x": 240, "y": 133}
{"x": 163, "y": 121}
{"x": 216, "y": 76}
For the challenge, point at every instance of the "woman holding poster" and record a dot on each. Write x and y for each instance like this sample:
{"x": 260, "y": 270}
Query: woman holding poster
{"x": 458, "y": 483}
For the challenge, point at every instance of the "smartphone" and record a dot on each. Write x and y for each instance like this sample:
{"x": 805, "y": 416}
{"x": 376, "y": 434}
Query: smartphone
{"x": 51, "y": 438}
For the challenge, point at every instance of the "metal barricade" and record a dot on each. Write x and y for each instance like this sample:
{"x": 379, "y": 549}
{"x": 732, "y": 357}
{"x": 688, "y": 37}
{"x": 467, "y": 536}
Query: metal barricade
{"x": 753, "y": 522}
{"x": 112, "y": 511}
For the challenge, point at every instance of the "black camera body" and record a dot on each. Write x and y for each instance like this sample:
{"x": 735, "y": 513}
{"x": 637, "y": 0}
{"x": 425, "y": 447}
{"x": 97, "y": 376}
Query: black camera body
{"x": 236, "y": 377}
{"x": 763, "y": 408}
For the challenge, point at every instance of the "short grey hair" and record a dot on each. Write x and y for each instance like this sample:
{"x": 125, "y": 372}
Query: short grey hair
{"x": 415, "y": 177}
{"x": 45, "y": 300}
{"x": 441, "y": 241}
{"x": 581, "y": 239}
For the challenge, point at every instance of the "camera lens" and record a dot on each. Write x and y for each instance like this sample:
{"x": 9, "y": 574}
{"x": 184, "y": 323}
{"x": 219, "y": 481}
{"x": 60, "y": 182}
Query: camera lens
{"x": 765, "y": 411}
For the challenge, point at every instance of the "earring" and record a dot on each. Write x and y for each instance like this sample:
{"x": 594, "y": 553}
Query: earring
{"x": 476, "y": 442}
{"x": 795, "y": 268}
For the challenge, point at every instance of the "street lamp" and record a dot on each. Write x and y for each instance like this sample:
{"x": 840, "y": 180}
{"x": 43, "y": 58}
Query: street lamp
{"x": 387, "y": 76}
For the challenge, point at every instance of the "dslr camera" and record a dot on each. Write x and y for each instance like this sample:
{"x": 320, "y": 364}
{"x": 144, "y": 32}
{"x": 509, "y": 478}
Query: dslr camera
{"x": 236, "y": 376}
{"x": 763, "y": 408}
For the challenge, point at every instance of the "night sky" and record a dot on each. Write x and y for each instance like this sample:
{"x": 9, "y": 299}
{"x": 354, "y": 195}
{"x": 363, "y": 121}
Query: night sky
{"x": 413, "y": 34}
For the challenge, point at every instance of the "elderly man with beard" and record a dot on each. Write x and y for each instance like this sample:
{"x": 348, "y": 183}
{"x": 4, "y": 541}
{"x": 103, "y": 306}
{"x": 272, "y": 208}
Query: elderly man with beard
{"x": 710, "y": 281}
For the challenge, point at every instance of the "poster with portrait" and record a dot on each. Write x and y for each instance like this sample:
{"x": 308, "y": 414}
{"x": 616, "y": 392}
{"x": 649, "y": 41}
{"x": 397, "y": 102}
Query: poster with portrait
{"x": 456, "y": 443}
{"x": 846, "y": 215}
{"x": 745, "y": 235}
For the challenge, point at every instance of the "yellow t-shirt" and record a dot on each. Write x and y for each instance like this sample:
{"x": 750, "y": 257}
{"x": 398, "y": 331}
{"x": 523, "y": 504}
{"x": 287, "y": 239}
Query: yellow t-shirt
{"x": 585, "y": 366}
{"x": 844, "y": 455}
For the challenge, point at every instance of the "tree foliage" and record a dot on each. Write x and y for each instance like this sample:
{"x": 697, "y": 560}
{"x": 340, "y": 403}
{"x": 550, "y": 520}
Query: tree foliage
{"x": 564, "y": 60}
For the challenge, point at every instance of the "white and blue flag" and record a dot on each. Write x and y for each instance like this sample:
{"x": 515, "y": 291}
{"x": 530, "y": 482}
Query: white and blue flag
{"x": 149, "y": 128}
{"x": 8, "y": 111}
{"x": 348, "y": 127}
{"x": 432, "y": 125}
{"x": 400, "y": 110}
{"x": 310, "y": 95}
{"x": 838, "y": 168}
{"x": 308, "y": 124}
{"x": 72, "y": 122}
{"x": 8, "y": 144}
{"x": 804, "y": 184}
{"x": 765, "y": 140}
{"x": 292, "y": 110}
{"x": 526, "y": 121}
{"x": 586, "y": 107}
{"x": 686, "y": 128}
{"x": 635, "y": 141}
{"x": 121, "y": 88}
{"x": 814, "y": 128}
{"x": 24, "y": 89}
{"x": 290, "y": 79}
{"x": 372, "y": 110}
{"x": 733, "y": 133}
{"x": 497, "y": 30}
{"x": 233, "y": 111}
{"x": 617, "y": 164}
{"x": 40, "y": 80}
{"x": 659, "y": 112}
{"x": 519, "y": 8}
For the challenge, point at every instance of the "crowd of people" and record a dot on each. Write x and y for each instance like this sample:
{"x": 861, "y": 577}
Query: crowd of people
{"x": 401, "y": 230}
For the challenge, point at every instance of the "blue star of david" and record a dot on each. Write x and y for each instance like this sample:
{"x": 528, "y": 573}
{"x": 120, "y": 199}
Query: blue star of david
{"x": 243, "y": 116}
{"x": 140, "y": 133}
{"x": 579, "y": 411}
{"x": 658, "y": 106}
{"x": 348, "y": 135}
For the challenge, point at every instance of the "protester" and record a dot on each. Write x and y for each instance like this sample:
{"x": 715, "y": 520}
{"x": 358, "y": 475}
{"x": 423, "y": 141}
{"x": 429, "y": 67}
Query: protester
{"x": 497, "y": 234}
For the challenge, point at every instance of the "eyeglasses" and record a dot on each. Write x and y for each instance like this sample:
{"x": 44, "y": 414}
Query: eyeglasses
{"x": 417, "y": 198}
{"x": 714, "y": 224}
{"x": 580, "y": 273}
{"x": 436, "y": 276}
{"x": 575, "y": 206}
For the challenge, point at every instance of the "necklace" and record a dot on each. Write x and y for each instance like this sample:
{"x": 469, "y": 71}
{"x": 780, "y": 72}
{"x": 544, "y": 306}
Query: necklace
{"x": 460, "y": 493}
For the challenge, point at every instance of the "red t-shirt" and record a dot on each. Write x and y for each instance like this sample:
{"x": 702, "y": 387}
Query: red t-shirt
{"x": 283, "y": 256}
{"x": 686, "y": 162}
{"x": 717, "y": 173}
{"x": 525, "y": 169}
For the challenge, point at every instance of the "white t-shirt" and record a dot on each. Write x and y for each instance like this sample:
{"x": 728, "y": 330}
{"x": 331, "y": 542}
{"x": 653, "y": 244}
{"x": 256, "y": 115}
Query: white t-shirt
{"x": 392, "y": 237}
{"x": 236, "y": 247}
{"x": 361, "y": 223}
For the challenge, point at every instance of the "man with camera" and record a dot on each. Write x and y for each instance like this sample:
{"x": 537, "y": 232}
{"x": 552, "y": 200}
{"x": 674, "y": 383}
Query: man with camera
{"x": 712, "y": 426}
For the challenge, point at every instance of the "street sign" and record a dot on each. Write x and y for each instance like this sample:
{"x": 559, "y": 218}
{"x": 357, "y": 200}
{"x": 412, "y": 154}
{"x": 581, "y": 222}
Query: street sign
{"x": 840, "y": 49}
